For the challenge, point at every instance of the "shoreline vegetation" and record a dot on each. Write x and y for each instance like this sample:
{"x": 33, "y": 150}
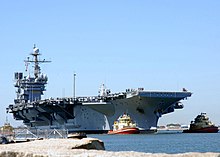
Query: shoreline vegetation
{"x": 78, "y": 147}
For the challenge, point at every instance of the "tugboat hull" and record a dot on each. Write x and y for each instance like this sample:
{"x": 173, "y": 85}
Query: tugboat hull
{"x": 125, "y": 131}
{"x": 213, "y": 129}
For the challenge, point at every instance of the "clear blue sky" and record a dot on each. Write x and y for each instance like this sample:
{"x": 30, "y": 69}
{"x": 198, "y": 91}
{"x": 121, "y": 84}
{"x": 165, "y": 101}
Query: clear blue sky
{"x": 158, "y": 45}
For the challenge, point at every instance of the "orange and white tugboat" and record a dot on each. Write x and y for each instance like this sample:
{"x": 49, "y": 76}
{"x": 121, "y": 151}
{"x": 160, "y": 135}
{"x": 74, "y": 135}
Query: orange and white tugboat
{"x": 201, "y": 124}
{"x": 124, "y": 125}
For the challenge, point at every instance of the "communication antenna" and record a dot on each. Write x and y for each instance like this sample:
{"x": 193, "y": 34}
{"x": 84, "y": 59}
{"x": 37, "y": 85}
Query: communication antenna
{"x": 7, "y": 119}
{"x": 74, "y": 86}
{"x": 36, "y": 61}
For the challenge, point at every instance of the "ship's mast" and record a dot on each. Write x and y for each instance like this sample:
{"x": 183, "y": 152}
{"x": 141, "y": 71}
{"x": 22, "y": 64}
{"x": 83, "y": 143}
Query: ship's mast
{"x": 31, "y": 88}
{"x": 36, "y": 61}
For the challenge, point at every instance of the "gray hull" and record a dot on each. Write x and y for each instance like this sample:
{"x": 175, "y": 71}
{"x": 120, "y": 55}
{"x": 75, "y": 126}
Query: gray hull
{"x": 98, "y": 116}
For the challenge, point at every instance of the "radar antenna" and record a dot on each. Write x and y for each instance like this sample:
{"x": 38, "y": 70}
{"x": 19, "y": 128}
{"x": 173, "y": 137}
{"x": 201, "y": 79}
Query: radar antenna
{"x": 36, "y": 61}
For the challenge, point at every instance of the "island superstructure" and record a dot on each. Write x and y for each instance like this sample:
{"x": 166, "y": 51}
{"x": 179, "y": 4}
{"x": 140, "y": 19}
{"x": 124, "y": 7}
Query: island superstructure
{"x": 91, "y": 114}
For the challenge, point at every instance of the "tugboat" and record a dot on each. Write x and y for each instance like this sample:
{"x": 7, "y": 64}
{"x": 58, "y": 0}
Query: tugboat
{"x": 201, "y": 124}
{"x": 6, "y": 133}
{"x": 124, "y": 125}
{"x": 6, "y": 129}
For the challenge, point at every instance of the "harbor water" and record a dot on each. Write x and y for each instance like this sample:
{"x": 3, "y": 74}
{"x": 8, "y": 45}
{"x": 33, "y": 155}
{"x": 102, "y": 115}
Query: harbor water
{"x": 162, "y": 142}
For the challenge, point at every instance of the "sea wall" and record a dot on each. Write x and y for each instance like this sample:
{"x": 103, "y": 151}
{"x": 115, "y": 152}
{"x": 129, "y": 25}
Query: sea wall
{"x": 75, "y": 147}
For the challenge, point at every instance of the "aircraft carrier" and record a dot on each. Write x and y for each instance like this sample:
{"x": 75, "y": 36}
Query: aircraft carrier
{"x": 91, "y": 114}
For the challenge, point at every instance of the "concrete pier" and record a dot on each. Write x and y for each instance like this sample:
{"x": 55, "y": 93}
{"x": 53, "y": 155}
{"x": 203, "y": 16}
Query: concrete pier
{"x": 77, "y": 147}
